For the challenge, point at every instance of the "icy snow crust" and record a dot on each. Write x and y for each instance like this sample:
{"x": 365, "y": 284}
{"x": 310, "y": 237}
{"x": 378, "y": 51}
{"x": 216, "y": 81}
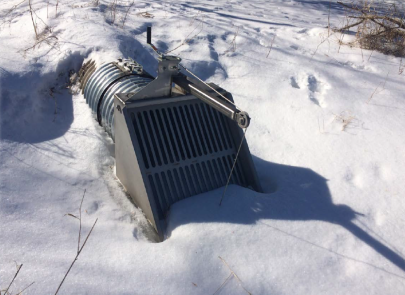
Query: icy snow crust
{"x": 331, "y": 160}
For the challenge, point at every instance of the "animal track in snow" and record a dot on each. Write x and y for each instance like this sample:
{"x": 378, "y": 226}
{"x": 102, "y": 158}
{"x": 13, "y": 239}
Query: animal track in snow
{"x": 294, "y": 83}
{"x": 93, "y": 207}
{"x": 314, "y": 86}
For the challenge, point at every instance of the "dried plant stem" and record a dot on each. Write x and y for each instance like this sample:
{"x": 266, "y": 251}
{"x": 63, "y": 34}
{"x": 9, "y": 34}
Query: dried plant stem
{"x": 271, "y": 46}
{"x": 233, "y": 42}
{"x": 126, "y": 14}
{"x": 32, "y": 18}
{"x": 224, "y": 283}
{"x": 377, "y": 90}
{"x": 113, "y": 8}
{"x": 80, "y": 222}
{"x": 188, "y": 38}
{"x": 230, "y": 276}
{"x": 12, "y": 8}
{"x": 25, "y": 288}
{"x": 39, "y": 43}
{"x": 77, "y": 256}
{"x": 329, "y": 20}
{"x": 16, "y": 274}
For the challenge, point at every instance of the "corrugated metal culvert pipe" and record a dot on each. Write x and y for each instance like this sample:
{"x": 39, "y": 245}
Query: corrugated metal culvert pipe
{"x": 175, "y": 135}
{"x": 100, "y": 85}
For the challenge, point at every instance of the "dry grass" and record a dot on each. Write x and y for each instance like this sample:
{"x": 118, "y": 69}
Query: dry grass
{"x": 347, "y": 120}
{"x": 232, "y": 48}
{"x": 6, "y": 291}
{"x": 113, "y": 11}
{"x": 145, "y": 14}
{"x": 126, "y": 14}
{"x": 378, "y": 27}
{"x": 380, "y": 88}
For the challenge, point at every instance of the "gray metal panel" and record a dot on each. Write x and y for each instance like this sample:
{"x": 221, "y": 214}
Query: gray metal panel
{"x": 128, "y": 163}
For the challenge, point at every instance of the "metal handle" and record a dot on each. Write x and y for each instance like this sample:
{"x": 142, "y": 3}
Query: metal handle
{"x": 149, "y": 35}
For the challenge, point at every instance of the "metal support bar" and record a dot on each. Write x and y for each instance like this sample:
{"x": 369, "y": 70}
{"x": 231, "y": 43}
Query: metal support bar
{"x": 207, "y": 95}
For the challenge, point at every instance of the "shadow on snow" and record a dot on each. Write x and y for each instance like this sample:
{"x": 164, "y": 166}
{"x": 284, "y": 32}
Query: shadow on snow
{"x": 293, "y": 193}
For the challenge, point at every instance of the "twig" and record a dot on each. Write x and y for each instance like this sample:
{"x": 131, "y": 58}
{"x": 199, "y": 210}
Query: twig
{"x": 350, "y": 26}
{"x": 378, "y": 91}
{"x": 80, "y": 221}
{"x": 39, "y": 42}
{"x": 271, "y": 45}
{"x": 77, "y": 256}
{"x": 233, "y": 42}
{"x": 12, "y": 8}
{"x": 401, "y": 67}
{"x": 16, "y": 274}
{"x": 145, "y": 14}
{"x": 317, "y": 47}
{"x": 113, "y": 7}
{"x": 224, "y": 283}
{"x": 323, "y": 126}
{"x": 24, "y": 289}
{"x": 188, "y": 39}
{"x": 234, "y": 274}
{"x": 126, "y": 14}
{"x": 400, "y": 23}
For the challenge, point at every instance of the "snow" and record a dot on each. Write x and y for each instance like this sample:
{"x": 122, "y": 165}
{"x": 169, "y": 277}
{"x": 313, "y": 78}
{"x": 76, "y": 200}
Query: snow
{"x": 329, "y": 154}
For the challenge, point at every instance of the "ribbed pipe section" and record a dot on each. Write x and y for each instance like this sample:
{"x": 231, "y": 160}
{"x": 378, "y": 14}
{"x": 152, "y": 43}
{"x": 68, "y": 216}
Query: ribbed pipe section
{"x": 100, "y": 87}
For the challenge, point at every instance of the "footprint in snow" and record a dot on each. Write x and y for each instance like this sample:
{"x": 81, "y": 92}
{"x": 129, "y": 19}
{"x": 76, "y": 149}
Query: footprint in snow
{"x": 93, "y": 207}
{"x": 315, "y": 87}
{"x": 294, "y": 83}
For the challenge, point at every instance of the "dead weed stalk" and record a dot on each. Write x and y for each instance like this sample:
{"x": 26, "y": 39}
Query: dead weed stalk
{"x": 33, "y": 22}
{"x": 126, "y": 14}
{"x": 6, "y": 292}
{"x": 271, "y": 45}
{"x": 190, "y": 37}
{"x": 233, "y": 42}
{"x": 231, "y": 275}
{"x": 79, "y": 248}
{"x": 380, "y": 88}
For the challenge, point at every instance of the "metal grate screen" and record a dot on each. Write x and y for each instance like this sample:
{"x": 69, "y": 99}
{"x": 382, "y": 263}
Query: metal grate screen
{"x": 186, "y": 149}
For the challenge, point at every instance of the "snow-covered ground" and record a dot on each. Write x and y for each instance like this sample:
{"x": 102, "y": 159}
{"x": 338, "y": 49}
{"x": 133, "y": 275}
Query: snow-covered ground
{"x": 327, "y": 138}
